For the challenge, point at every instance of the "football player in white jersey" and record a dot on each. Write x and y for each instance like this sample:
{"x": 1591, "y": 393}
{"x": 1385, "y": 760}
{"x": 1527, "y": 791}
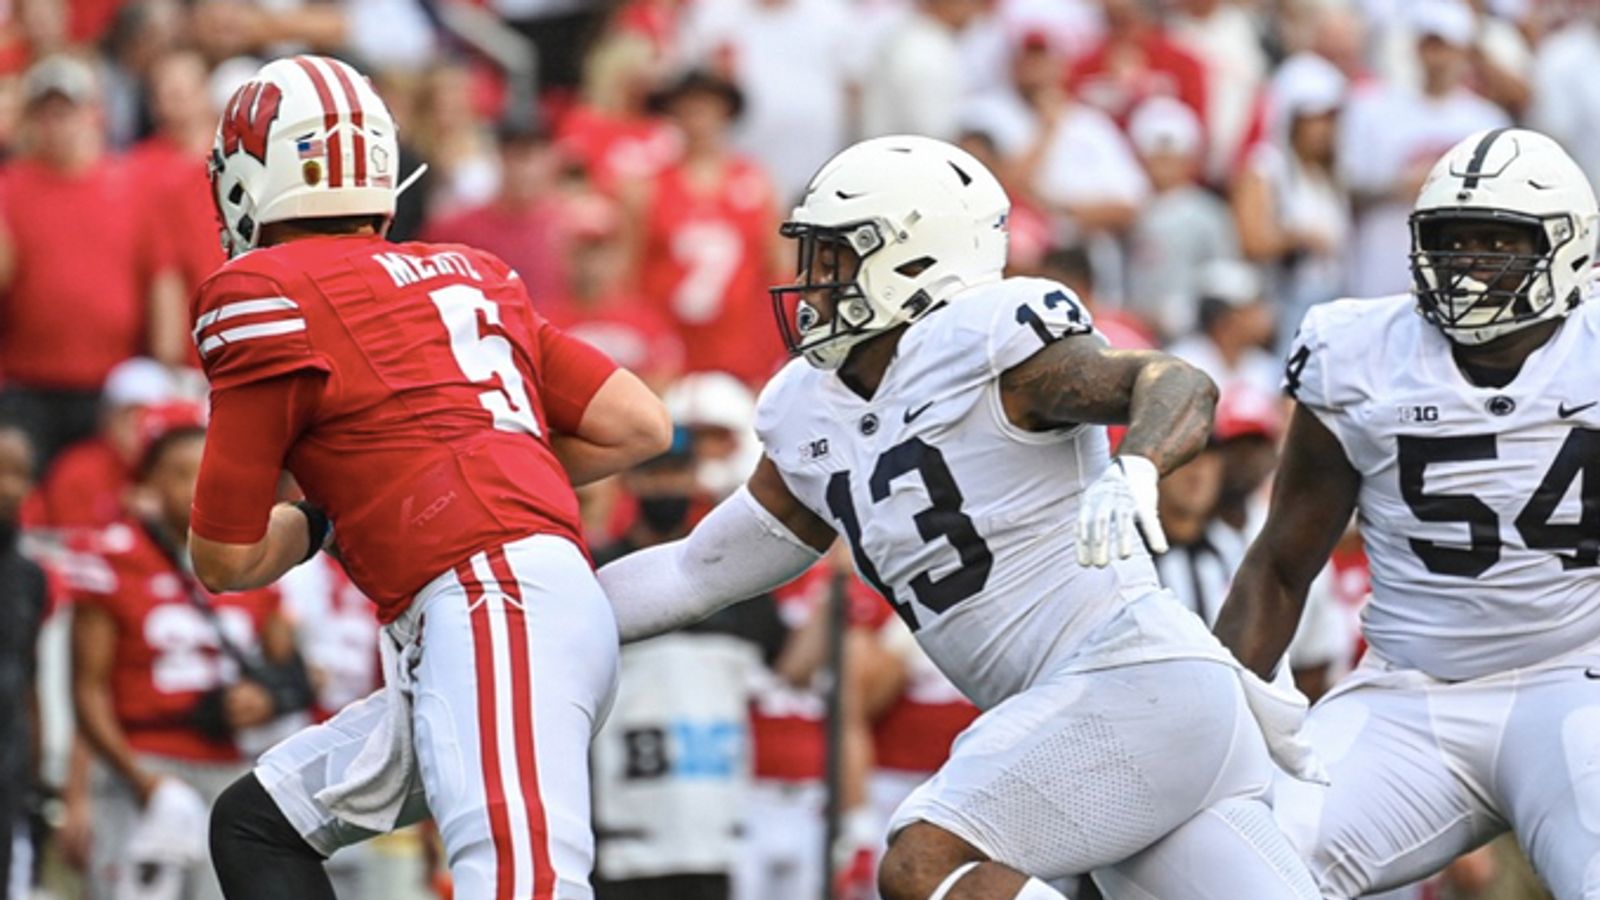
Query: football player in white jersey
{"x": 1468, "y": 438}
{"x": 948, "y": 424}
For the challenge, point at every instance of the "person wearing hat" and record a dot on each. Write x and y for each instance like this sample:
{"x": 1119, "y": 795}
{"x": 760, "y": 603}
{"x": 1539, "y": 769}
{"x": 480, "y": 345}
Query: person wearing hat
{"x": 1391, "y": 135}
{"x": 67, "y": 323}
{"x": 703, "y": 233}
{"x": 1292, "y": 211}
{"x": 1182, "y": 227}
{"x": 85, "y": 486}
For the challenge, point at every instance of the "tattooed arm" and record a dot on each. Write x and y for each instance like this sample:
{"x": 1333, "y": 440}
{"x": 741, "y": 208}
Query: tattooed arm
{"x": 1165, "y": 402}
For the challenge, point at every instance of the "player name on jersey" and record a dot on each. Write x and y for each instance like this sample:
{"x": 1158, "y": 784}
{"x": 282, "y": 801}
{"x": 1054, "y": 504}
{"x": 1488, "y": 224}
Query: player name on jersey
{"x": 407, "y": 269}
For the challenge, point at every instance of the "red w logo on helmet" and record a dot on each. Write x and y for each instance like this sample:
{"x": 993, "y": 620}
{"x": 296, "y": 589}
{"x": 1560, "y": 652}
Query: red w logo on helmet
{"x": 248, "y": 117}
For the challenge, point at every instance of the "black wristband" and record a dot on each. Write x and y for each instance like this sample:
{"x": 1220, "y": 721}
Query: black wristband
{"x": 317, "y": 527}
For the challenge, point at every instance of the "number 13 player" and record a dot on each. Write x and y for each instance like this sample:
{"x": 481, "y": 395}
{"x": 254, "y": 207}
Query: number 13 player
{"x": 945, "y": 421}
{"x": 436, "y": 418}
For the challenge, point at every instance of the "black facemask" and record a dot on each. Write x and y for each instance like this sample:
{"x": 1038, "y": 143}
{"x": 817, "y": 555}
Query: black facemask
{"x": 664, "y": 513}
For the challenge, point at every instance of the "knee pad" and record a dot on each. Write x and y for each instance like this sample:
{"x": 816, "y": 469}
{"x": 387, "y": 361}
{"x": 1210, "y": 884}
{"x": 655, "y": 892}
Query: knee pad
{"x": 257, "y": 853}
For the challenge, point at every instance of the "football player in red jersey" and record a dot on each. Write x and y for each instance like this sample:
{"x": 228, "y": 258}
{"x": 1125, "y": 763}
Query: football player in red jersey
{"x": 428, "y": 410}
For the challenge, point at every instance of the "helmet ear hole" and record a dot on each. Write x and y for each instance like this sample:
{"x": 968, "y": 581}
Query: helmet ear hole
{"x": 236, "y": 195}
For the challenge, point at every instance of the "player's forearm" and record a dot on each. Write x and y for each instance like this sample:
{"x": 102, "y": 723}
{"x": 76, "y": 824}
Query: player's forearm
{"x": 1169, "y": 417}
{"x": 587, "y": 462}
{"x": 240, "y": 567}
{"x": 1260, "y": 616}
{"x": 735, "y": 553}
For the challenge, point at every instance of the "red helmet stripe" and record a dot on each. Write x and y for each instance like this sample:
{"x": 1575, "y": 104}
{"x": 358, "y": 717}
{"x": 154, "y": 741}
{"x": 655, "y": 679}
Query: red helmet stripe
{"x": 358, "y": 138}
{"x": 330, "y": 120}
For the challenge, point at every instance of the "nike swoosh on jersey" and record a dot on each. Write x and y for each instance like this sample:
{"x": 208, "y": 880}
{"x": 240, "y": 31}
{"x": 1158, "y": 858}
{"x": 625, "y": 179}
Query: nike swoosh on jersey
{"x": 1565, "y": 411}
{"x": 913, "y": 413}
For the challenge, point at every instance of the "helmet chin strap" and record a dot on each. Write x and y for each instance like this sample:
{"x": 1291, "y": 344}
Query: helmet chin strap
{"x": 411, "y": 179}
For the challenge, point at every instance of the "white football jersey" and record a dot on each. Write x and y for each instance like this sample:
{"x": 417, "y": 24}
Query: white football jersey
{"x": 1480, "y": 507}
{"x": 964, "y": 522}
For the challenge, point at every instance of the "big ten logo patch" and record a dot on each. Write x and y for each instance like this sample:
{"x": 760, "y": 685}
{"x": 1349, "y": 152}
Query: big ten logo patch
{"x": 685, "y": 749}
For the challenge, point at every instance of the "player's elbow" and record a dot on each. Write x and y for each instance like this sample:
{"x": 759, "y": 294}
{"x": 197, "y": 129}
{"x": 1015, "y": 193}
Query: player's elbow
{"x": 649, "y": 431}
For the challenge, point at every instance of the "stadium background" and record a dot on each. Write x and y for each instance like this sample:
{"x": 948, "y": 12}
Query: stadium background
{"x": 1201, "y": 171}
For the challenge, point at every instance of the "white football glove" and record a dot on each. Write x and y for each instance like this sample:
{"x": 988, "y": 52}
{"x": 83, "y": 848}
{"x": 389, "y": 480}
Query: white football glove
{"x": 1124, "y": 497}
{"x": 1280, "y": 709}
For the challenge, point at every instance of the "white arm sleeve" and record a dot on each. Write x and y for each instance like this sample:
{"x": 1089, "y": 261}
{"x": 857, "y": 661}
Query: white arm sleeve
{"x": 737, "y": 551}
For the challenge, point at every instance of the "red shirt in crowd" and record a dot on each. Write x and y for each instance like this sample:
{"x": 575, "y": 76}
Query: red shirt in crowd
{"x": 634, "y": 335}
{"x": 85, "y": 258}
{"x": 177, "y": 197}
{"x": 915, "y": 733}
{"x": 1108, "y": 79}
{"x": 615, "y": 150}
{"x": 168, "y": 652}
{"x": 83, "y": 489}
{"x": 530, "y": 241}
{"x": 706, "y": 267}
{"x": 787, "y": 723}
{"x": 426, "y": 390}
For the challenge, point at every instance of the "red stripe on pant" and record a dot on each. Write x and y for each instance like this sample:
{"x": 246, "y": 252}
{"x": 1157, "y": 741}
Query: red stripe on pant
{"x": 544, "y": 881}
{"x": 488, "y": 732}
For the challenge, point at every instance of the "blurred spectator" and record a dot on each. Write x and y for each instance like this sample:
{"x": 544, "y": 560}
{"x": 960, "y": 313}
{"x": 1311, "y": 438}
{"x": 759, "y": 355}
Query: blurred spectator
{"x": 384, "y": 33}
{"x": 1566, "y": 96}
{"x": 601, "y": 307}
{"x": 448, "y": 131}
{"x": 705, "y": 236}
{"x": 170, "y": 169}
{"x": 1137, "y": 60}
{"x": 65, "y": 323}
{"x": 1066, "y": 155}
{"x": 672, "y": 762}
{"x": 1222, "y": 34}
{"x": 1203, "y": 555}
{"x": 1292, "y": 213}
{"x": 720, "y": 413}
{"x": 1392, "y": 134}
{"x": 1246, "y": 433}
{"x": 522, "y": 224}
{"x": 916, "y": 714}
{"x": 142, "y": 32}
{"x": 86, "y": 486}
{"x": 918, "y": 81}
{"x": 1500, "y": 61}
{"x": 167, "y": 678}
{"x": 797, "y": 62}
{"x": 1235, "y": 327}
{"x": 23, "y": 597}
{"x": 781, "y": 852}
{"x": 1183, "y": 226}
{"x": 611, "y": 131}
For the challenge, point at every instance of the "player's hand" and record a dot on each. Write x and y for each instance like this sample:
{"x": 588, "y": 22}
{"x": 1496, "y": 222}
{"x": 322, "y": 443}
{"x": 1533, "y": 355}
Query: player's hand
{"x": 75, "y": 834}
{"x": 1122, "y": 499}
{"x": 1280, "y": 710}
{"x": 247, "y": 704}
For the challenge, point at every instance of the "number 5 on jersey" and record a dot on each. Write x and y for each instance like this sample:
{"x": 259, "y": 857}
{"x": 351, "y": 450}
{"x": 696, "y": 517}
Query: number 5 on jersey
{"x": 485, "y": 357}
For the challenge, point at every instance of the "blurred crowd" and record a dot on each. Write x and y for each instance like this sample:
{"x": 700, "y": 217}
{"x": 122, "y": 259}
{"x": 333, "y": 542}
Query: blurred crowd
{"x": 1199, "y": 171}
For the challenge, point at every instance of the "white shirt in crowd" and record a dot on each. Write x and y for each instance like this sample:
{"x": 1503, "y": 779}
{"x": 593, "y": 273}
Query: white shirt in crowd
{"x": 917, "y": 82}
{"x": 795, "y": 61}
{"x": 1386, "y": 133}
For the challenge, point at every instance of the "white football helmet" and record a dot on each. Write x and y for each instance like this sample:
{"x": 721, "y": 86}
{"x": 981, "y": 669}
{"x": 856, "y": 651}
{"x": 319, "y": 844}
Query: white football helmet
{"x": 1507, "y": 176}
{"x": 306, "y": 138}
{"x": 718, "y": 400}
{"x": 924, "y": 219}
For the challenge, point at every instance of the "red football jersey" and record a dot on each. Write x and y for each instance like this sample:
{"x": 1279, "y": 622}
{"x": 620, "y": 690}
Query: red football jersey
{"x": 83, "y": 489}
{"x": 706, "y": 267}
{"x": 168, "y": 653}
{"x": 430, "y": 440}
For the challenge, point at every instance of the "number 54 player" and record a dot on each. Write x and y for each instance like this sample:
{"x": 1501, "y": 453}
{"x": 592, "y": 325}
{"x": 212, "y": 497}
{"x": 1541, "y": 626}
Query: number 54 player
{"x": 431, "y": 414}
